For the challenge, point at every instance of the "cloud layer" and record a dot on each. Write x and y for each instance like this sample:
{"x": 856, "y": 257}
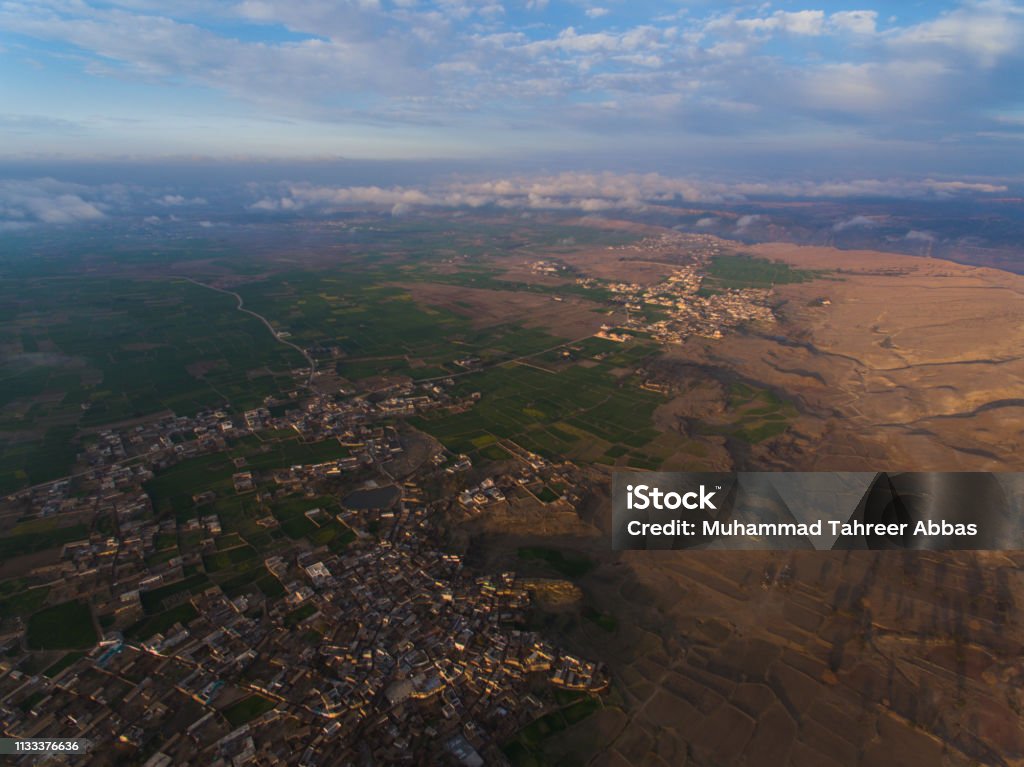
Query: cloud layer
{"x": 46, "y": 201}
{"x": 597, "y": 192}
{"x": 27, "y": 202}
{"x": 520, "y": 75}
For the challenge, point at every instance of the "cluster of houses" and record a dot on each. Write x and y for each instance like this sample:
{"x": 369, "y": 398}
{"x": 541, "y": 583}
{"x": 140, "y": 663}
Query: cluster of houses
{"x": 386, "y": 647}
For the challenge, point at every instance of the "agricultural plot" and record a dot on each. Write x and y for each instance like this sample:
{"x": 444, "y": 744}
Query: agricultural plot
{"x": 162, "y": 622}
{"x": 19, "y": 601}
{"x": 493, "y": 278}
{"x": 271, "y": 587}
{"x": 234, "y": 562}
{"x": 38, "y": 535}
{"x": 742, "y": 271}
{"x": 577, "y": 412}
{"x": 291, "y": 513}
{"x": 569, "y": 564}
{"x": 34, "y": 460}
{"x": 527, "y": 748}
{"x": 67, "y": 626}
{"x": 247, "y": 709}
{"x": 153, "y": 601}
{"x": 67, "y": 660}
{"x": 141, "y": 346}
{"x": 358, "y": 314}
{"x": 172, "y": 490}
{"x": 91, "y": 351}
{"x": 380, "y": 329}
{"x": 288, "y": 452}
{"x": 299, "y": 614}
{"x": 225, "y": 560}
{"x": 756, "y": 415}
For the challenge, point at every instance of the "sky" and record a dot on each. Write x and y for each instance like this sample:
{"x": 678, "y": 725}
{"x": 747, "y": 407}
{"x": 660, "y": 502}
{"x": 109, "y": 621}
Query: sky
{"x": 521, "y": 102}
{"x": 636, "y": 85}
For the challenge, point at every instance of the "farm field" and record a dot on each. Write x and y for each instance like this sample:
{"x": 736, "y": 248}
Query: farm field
{"x": 746, "y": 271}
{"x": 590, "y": 410}
{"x": 85, "y": 352}
{"x": 65, "y": 626}
{"x": 80, "y": 349}
{"x": 173, "y": 489}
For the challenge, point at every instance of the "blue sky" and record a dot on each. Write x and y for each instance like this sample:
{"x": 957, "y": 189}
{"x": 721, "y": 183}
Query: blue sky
{"x": 823, "y": 89}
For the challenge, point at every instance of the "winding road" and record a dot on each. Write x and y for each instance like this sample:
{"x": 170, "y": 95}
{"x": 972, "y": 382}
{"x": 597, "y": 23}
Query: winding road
{"x": 265, "y": 321}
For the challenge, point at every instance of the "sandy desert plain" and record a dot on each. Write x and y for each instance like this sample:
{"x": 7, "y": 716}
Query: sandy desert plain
{"x": 892, "y": 361}
{"x": 813, "y": 659}
{"x": 914, "y": 364}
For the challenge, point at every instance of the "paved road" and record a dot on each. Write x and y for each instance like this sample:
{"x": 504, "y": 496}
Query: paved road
{"x": 499, "y": 363}
{"x": 265, "y": 321}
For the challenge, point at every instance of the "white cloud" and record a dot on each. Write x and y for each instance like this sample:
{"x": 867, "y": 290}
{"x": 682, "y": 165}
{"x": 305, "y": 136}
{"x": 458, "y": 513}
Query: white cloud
{"x": 25, "y": 203}
{"x": 872, "y": 88}
{"x": 856, "y": 222}
{"x": 46, "y": 201}
{"x": 855, "y": 22}
{"x": 362, "y": 54}
{"x": 790, "y": 22}
{"x": 745, "y": 222}
{"x": 176, "y": 200}
{"x": 642, "y": 38}
{"x": 598, "y": 192}
{"x": 455, "y": 67}
{"x": 986, "y": 31}
{"x": 919, "y": 236}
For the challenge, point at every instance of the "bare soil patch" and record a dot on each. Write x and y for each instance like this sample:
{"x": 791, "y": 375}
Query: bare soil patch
{"x": 570, "y": 318}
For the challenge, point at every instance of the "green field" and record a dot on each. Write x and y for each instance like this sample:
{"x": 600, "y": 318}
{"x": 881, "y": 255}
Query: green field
{"x": 152, "y": 600}
{"x": 17, "y": 600}
{"x": 96, "y": 350}
{"x": 223, "y": 560}
{"x": 379, "y": 327}
{"x": 99, "y": 332}
{"x": 569, "y": 564}
{"x": 247, "y": 709}
{"x": 577, "y": 412}
{"x": 161, "y": 622}
{"x": 172, "y": 490}
{"x": 67, "y": 626}
{"x": 66, "y": 661}
{"x": 527, "y": 749}
{"x": 29, "y": 537}
{"x": 299, "y": 614}
{"x": 757, "y": 414}
{"x": 361, "y": 315}
{"x": 547, "y": 495}
{"x": 603, "y": 620}
{"x": 743, "y": 271}
{"x": 271, "y": 587}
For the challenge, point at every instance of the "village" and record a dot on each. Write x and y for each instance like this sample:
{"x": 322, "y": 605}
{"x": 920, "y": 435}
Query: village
{"x": 377, "y": 644}
{"x": 682, "y": 305}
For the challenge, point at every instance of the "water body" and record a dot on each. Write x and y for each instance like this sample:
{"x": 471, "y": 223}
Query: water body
{"x": 374, "y": 498}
